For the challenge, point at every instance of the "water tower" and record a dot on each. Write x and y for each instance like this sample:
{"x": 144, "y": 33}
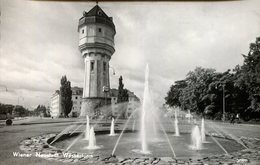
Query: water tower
{"x": 96, "y": 44}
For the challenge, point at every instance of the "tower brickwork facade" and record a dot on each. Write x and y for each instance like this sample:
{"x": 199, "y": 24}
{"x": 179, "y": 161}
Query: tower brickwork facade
{"x": 96, "y": 44}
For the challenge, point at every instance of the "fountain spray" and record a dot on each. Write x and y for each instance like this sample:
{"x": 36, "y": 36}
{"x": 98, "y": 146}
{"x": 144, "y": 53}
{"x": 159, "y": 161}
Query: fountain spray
{"x": 92, "y": 140}
{"x": 203, "y": 136}
{"x": 196, "y": 138}
{"x": 112, "y": 128}
{"x": 87, "y": 129}
{"x": 177, "y": 133}
{"x": 143, "y": 117}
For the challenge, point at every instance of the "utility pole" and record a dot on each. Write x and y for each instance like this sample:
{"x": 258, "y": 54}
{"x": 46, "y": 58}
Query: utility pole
{"x": 224, "y": 111}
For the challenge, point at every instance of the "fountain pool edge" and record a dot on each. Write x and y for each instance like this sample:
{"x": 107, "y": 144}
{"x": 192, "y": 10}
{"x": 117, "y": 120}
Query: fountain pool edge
{"x": 40, "y": 144}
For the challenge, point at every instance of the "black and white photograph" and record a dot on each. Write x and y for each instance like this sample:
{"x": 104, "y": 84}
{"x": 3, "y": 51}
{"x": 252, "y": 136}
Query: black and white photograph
{"x": 130, "y": 82}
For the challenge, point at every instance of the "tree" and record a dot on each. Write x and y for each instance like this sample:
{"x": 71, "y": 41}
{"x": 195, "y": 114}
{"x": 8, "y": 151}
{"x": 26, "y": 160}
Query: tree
{"x": 6, "y": 109}
{"x": 122, "y": 93}
{"x": 198, "y": 82}
{"x": 20, "y": 111}
{"x": 66, "y": 96}
{"x": 204, "y": 90}
{"x": 248, "y": 76}
{"x": 41, "y": 110}
{"x": 173, "y": 95}
{"x": 122, "y": 97}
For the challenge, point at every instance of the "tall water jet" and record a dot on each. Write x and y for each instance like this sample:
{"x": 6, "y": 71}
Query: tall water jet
{"x": 92, "y": 140}
{"x": 87, "y": 131}
{"x": 177, "y": 132}
{"x": 143, "y": 112}
{"x": 203, "y": 135}
{"x": 196, "y": 138}
{"x": 112, "y": 128}
{"x": 189, "y": 116}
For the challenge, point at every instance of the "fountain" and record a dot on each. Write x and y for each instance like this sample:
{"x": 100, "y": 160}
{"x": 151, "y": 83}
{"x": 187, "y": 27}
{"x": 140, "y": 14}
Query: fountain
{"x": 112, "y": 128}
{"x": 92, "y": 140}
{"x": 177, "y": 133}
{"x": 66, "y": 130}
{"x": 189, "y": 116}
{"x": 160, "y": 143}
{"x": 146, "y": 105}
{"x": 196, "y": 138}
{"x": 143, "y": 113}
{"x": 87, "y": 131}
{"x": 203, "y": 136}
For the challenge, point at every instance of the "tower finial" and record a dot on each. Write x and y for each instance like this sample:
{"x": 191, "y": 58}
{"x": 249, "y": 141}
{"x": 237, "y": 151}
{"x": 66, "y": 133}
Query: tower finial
{"x": 96, "y": 2}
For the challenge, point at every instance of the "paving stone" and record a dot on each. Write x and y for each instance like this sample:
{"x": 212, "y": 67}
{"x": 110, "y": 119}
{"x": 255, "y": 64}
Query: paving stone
{"x": 242, "y": 160}
{"x": 180, "y": 161}
{"x": 163, "y": 163}
{"x": 120, "y": 159}
{"x": 156, "y": 160}
{"x": 138, "y": 160}
{"x": 127, "y": 161}
{"x": 168, "y": 159}
{"x": 112, "y": 160}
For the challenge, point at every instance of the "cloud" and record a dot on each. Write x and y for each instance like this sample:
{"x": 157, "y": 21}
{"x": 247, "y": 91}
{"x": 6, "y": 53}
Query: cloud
{"x": 39, "y": 43}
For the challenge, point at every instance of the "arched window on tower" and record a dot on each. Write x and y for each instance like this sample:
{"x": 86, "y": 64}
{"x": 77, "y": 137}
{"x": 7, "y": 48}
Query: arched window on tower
{"x": 92, "y": 64}
{"x": 104, "y": 66}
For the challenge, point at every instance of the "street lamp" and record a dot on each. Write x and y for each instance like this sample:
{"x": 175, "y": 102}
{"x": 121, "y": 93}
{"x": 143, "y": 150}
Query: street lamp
{"x": 105, "y": 90}
{"x": 110, "y": 67}
{"x": 223, "y": 89}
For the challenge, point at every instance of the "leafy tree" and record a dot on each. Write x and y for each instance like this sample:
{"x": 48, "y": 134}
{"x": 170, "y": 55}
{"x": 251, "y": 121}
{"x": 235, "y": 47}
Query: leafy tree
{"x": 41, "y": 110}
{"x": 248, "y": 76}
{"x": 122, "y": 93}
{"x": 198, "y": 82}
{"x": 173, "y": 96}
{"x": 122, "y": 98}
{"x": 20, "y": 111}
{"x": 66, "y": 96}
{"x": 204, "y": 90}
{"x": 236, "y": 99}
{"x": 6, "y": 109}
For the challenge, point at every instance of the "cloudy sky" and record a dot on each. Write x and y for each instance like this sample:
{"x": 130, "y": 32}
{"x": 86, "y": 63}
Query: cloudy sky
{"x": 39, "y": 43}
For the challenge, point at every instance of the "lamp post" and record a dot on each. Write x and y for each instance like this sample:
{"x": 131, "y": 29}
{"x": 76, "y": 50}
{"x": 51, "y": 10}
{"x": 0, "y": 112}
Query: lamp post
{"x": 223, "y": 89}
{"x": 110, "y": 67}
{"x": 105, "y": 90}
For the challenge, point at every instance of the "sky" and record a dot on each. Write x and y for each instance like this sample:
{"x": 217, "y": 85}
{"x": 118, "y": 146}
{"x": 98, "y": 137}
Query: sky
{"x": 39, "y": 44}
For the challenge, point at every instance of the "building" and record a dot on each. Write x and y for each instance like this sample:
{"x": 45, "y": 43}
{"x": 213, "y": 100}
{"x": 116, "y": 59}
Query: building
{"x": 55, "y": 106}
{"x": 55, "y": 103}
{"x": 76, "y": 100}
{"x": 125, "y": 110}
{"x": 96, "y": 44}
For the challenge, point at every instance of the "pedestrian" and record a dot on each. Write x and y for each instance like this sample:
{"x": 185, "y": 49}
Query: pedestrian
{"x": 232, "y": 121}
{"x": 237, "y": 117}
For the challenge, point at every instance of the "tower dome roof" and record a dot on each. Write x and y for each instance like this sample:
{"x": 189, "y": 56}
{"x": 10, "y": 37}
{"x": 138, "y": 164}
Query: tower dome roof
{"x": 96, "y": 15}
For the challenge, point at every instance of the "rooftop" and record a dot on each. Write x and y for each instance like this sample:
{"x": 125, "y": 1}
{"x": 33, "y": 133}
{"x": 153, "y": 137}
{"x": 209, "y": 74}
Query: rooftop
{"x": 96, "y": 15}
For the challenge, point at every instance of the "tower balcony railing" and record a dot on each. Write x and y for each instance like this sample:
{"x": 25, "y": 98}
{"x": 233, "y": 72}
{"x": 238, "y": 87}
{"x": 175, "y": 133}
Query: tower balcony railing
{"x": 95, "y": 19}
{"x": 93, "y": 39}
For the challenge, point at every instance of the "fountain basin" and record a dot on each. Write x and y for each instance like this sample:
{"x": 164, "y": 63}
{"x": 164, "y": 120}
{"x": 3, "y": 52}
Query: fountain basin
{"x": 130, "y": 143}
